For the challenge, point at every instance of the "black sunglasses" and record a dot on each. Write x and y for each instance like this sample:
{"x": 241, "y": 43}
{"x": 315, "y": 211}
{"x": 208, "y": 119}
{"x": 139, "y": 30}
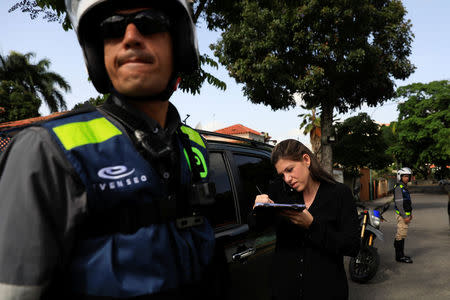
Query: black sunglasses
{"x": 147, "y": 22}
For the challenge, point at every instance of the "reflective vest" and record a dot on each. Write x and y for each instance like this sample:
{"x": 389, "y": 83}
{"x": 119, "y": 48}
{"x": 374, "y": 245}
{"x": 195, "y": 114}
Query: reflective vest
{"x": 402, "y": 200}
{"x": 156, "y": 257}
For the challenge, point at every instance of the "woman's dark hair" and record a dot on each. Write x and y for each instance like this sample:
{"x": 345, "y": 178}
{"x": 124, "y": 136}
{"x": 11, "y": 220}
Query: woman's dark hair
{"x": 294, "y": 150}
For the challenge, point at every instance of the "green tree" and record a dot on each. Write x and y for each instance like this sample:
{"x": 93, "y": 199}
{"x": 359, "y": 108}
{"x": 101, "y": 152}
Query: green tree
{"x": 388, "y": 132}
{"x": 360, "y": 143}
{"x": 423, "y": 127}
{"x": 390, "y": 137}
{"x": 311, "y": 125}
{"x": 17, "y": 102}
{"x": 99, "y": 100}
{"x": 18, "y": 73}
{"x": 337, "y": 54}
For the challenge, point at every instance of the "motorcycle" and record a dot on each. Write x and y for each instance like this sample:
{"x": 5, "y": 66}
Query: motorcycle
{"x": 364, "y": 266}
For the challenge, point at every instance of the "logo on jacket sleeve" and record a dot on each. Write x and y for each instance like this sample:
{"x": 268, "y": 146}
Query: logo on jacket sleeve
{"x": 115, "y": 172}
{"x": 200, "y": 162}
{"x": 118, "y": 177}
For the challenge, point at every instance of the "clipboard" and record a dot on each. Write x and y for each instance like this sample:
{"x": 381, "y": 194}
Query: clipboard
{"x": 275, "y": 207}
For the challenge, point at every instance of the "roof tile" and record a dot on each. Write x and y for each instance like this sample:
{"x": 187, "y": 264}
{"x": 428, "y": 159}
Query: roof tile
{"x": 237, "y": 129}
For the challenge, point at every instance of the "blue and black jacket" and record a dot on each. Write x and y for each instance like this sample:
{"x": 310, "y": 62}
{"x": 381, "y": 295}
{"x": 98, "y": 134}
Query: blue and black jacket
{"x": 153, "y": 258}
{"x": 402, "y": 200}
{"x": 96, "y": 217}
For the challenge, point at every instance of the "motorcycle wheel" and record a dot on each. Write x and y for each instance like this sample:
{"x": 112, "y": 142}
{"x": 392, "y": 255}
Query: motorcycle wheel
{"x": 364, "y": 266}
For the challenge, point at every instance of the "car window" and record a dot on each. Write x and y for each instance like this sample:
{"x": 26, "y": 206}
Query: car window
{"x": 224, "y": 211}
{"x": 255, "y": 173}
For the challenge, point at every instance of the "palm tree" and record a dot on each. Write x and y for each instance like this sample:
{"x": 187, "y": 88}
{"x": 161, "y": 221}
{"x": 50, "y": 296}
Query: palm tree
{"x": 36, "y": 79}
{"x": 311, "y": 123}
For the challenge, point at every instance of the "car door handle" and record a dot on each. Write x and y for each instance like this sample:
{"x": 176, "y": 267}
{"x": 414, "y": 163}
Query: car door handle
{"x": 244, "y": 254}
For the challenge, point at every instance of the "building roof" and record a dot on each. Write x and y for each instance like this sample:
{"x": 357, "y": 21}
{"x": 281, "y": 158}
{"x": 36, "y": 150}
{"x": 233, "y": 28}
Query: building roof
{"x": 25, "y": 122}
{"x": 237, "y": 129}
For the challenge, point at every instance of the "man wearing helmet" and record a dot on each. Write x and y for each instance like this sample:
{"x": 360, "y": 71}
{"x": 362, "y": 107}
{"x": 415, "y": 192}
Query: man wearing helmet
{"x": 403, "y": 209}
{"x": 108, "y": 202}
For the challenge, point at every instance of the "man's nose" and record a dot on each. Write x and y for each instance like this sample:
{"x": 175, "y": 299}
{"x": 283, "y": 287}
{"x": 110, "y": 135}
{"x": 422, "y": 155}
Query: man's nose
{"x": 132, "y": 36}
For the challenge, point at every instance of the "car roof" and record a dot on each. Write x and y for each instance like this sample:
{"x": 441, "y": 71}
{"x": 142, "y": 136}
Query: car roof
{"x": 230, "y": 141}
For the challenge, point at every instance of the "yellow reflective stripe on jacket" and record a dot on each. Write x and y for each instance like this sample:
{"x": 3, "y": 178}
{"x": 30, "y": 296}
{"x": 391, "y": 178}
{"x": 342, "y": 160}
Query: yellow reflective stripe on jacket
{"x": 82, "y": 133}
{"x": 193, "y": 135}
{"x": 406, "y": 213}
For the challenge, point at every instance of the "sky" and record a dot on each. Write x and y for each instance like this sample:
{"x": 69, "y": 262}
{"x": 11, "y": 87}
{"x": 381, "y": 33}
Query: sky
{"x": 214, "y": 109}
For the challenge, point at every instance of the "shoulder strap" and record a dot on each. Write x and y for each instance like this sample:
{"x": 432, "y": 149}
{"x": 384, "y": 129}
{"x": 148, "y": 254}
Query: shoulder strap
{"x": 134, "y": 125}
{"x": 122, "y": 116}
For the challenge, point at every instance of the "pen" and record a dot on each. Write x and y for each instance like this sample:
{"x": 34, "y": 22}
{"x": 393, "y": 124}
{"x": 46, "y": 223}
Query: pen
{"x": 259, "y": 190}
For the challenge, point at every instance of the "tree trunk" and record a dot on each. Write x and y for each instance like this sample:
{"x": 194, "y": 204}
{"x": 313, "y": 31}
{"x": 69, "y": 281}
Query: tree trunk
{"x": 315, "y": 139}
{"x": 326, "y": 122}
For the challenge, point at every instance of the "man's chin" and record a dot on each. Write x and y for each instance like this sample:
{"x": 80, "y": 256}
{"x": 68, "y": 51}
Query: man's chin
{"x": 139, "y": 92}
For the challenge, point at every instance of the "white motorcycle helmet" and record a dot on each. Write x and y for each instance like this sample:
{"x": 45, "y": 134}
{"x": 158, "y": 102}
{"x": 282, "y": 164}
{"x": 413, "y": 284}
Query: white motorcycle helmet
{"x": 403, "y": 171}
{"x": 86, "y": 16}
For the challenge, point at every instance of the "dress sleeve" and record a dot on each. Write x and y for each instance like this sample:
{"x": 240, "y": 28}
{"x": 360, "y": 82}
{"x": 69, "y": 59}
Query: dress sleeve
{"x": 342, "y": 239}
{"x": 41, "y": 196}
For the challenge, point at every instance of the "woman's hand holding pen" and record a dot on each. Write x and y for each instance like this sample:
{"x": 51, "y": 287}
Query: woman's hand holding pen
{"x": 302, "y": 219}
{"x": 262, "y": 199}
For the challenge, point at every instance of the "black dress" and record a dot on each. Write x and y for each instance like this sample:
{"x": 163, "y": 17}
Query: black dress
{"x": 308, "y": 263}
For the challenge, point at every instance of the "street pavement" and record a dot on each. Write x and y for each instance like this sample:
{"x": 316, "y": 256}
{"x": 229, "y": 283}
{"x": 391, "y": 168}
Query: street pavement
{"x": 428, "y": 244}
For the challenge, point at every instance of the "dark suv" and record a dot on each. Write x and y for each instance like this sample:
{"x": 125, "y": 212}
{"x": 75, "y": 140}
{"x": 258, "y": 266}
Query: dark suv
{"x": 239, "y": 167}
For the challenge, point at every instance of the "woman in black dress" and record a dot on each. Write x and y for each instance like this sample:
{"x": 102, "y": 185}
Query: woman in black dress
{"x": 308, "y": 261}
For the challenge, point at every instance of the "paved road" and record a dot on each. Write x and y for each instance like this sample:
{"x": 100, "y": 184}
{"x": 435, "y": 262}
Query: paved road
{"x": 428, "y": 244}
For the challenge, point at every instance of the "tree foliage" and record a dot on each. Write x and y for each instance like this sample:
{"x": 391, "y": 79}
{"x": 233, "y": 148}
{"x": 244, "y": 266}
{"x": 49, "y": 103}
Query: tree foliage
{"x": 310, "y": 121}
{"x": 360, "y": 143}
{"x": 390, "y": 137}
{"x": 23, "y": 81}
{"x": 311, "y": 125}
{"x": 337, "y": 54}
{"x": 341, "y": 52}
{"x": 50, "y": 10}
{"x": 388, "y": 132}
{"x": 423, "y": 129}
{"x": 99, "y": 100}
{"x": 17, "y": 102}
{"x": 192, "y": 82}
